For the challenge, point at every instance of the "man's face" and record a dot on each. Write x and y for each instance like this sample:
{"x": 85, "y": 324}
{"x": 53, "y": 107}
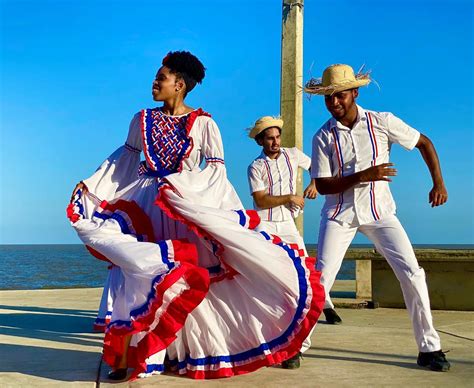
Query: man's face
{"x": 340, "y": 103}
{"x": 271, "y": 141}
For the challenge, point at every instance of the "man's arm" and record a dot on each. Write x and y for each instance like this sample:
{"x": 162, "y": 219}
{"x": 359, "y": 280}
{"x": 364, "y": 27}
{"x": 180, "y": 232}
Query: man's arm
{"x": 336, "y": 185}
{"x": 266, "y": 201}
{"x": 438, "y": 194}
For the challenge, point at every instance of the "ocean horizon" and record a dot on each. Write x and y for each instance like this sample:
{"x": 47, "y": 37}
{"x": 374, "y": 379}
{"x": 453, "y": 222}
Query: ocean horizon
{"x": 50, "y": 266}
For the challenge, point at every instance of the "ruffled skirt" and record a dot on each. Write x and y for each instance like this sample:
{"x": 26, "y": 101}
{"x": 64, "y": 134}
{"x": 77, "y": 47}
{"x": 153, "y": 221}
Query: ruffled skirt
{"x": 197, "y": 288}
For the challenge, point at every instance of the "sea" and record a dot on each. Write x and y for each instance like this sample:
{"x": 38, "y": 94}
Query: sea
{"x": 31, "y": 267}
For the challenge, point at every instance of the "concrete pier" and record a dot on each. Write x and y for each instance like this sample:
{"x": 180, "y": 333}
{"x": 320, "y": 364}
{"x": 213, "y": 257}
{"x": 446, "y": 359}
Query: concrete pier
{"x": 46, "y": 340}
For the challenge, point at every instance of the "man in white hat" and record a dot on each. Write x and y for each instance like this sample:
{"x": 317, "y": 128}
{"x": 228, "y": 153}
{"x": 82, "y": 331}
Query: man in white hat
{"x": 272, "y": 180}
{"x": 350, "y": 163}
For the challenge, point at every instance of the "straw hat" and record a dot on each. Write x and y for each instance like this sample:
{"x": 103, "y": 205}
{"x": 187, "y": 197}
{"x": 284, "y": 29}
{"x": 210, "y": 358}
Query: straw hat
{"x": 263, "y": 123}
{"x": 337, "y": 78}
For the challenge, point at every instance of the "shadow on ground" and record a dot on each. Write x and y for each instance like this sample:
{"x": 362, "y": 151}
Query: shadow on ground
{"x": 59, "y": 325}
{"x": 56, "y": 364}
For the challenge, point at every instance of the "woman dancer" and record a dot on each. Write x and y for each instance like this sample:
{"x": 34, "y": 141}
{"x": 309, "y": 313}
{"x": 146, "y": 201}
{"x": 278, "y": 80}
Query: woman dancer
{"x": 190, "y": 278}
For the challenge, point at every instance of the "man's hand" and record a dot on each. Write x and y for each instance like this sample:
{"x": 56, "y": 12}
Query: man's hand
{"x": 79, "y": 186}
{"x": 296, "y": 200}
{"x": 438, "y": 195}
{"x": 380, "y": 172}
{"x": 311, "y": 192}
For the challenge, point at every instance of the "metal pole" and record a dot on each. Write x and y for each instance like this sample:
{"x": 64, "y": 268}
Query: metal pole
{"x": 291, "y": 96}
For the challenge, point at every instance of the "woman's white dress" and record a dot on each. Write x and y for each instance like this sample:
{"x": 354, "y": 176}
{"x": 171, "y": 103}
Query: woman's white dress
{"x": 190, "y": 279}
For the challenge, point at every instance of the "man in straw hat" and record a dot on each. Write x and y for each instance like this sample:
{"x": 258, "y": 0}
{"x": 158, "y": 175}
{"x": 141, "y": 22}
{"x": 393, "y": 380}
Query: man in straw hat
{"x": 350, "y": 163}
{"x": 272, "y": 180}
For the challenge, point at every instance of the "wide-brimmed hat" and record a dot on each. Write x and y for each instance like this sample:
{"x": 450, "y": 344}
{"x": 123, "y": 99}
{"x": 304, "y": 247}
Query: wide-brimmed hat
{"x": 263, "y": 123}
{"x": 337, "y": 78}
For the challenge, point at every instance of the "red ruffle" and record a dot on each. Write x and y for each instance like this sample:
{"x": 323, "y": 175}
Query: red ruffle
{"x": 170, "y": 321}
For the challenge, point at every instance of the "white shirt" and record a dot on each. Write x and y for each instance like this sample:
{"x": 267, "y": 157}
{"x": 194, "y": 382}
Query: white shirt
{"x": 277, "y": 177}
{"x": 342, "y": 151}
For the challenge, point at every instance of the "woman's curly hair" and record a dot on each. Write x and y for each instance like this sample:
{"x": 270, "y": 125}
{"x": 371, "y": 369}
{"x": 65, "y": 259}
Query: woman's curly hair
{"x": 186, "y": 66}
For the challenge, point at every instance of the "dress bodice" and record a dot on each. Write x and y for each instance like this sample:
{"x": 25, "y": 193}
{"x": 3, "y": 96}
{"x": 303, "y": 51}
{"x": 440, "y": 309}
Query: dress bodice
{"x": 166, "y": 141}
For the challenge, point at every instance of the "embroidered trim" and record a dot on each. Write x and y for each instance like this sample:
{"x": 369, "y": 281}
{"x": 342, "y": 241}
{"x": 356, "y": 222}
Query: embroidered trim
{"x": 132, "y": 149}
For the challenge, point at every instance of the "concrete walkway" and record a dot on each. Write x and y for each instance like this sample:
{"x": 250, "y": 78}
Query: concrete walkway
{"x": 46, "y": 340}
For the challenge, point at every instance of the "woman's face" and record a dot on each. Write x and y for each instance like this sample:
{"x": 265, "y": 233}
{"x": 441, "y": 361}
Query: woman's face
{"x": 165, "y": 86}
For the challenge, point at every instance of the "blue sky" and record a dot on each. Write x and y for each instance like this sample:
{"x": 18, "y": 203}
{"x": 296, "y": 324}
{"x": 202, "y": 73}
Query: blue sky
{"x": 74, "y": 73}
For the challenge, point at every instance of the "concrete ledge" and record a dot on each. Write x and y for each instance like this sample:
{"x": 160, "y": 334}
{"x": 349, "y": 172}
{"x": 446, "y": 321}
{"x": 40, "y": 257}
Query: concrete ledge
{"x": 449, "y": 274}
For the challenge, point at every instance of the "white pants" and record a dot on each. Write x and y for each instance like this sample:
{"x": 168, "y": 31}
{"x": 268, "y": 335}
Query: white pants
{"x": 288, "y": 232}
{"x": 391, "y": 240}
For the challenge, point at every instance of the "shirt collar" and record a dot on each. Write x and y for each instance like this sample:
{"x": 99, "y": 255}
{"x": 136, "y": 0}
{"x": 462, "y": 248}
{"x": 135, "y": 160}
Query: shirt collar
{"x": 264, "y": 156}
{"x": 360, "y": 117}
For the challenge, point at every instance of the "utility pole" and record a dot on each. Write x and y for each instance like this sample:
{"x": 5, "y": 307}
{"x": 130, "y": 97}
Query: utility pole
{"x": 291, "y": 94}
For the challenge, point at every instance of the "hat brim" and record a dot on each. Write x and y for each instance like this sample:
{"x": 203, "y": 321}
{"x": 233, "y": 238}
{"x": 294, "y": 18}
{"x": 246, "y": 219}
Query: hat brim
{"x": 331, "y": 89}
{"x": 278, "y": 123}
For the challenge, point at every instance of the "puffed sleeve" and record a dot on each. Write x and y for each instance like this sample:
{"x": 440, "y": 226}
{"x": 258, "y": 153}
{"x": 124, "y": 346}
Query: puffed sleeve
{"x": 209, "y": 186}
{"x": 114, "y": 174}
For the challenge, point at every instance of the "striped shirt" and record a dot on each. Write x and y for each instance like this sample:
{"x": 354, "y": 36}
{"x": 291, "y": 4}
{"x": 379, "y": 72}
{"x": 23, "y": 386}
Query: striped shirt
{"x": 342, "y": 151}
{"x": 277, "y": 177}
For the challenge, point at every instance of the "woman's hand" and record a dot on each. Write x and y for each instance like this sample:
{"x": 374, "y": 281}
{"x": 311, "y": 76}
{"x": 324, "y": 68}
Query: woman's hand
{"x": 80, "y": 186}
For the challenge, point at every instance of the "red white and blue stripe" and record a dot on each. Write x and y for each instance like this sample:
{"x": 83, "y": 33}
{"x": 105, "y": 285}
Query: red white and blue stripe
{"x": 270, "y": 186}
{"x": 375, "y": 154}
{"x": 214, "y": 160}
{"x": 290, "y": 170}
{"x": 340, "y": 162}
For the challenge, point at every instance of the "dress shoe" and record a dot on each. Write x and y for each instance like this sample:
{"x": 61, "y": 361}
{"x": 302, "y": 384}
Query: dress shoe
{"x": 118, "y": 374}
{"x": 434, "y": 360}
{"x": 293, "y": 362}
{"x": 331, "y": 317}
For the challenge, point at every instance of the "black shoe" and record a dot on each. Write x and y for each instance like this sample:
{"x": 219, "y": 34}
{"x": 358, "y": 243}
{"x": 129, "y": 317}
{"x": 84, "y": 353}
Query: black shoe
{"x": 331, "y": 317}
{"x": 434, "y": 360}
{"x": 117, "y": 374}
{"x": 293, "y": 362}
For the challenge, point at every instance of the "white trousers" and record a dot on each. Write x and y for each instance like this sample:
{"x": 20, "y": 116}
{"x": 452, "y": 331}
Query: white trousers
{"x": 391, "y": 240}
{"x": 288, "y": 232}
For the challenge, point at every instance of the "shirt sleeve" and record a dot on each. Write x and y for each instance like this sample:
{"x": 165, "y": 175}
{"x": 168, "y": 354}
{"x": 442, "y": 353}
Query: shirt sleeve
{"x": 254, "y": 176}
{"x": 304, "y": 161}
{"x": 320, "y": 158}
{"x": 401, "y": 133}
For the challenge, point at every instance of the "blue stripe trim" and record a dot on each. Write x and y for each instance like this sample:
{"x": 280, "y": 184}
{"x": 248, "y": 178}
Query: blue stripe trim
{"x": 370, "y": 136}
{"x": 165, "y": 254}
{"x": 277, "y": 342}
{"x": 371, "y": 191}
{"x": 270, "y": 187}
{"x": 155, "y": 368}
{"x": 242, "y": 218}
{"x": 341, "y": 170}
{"x": 371, "y": 201}
{"x": 78, "y": 203}
{"x": 122, "y": 222}
{"x": 140, "y": 310}
{"x": 340, "y": 152}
